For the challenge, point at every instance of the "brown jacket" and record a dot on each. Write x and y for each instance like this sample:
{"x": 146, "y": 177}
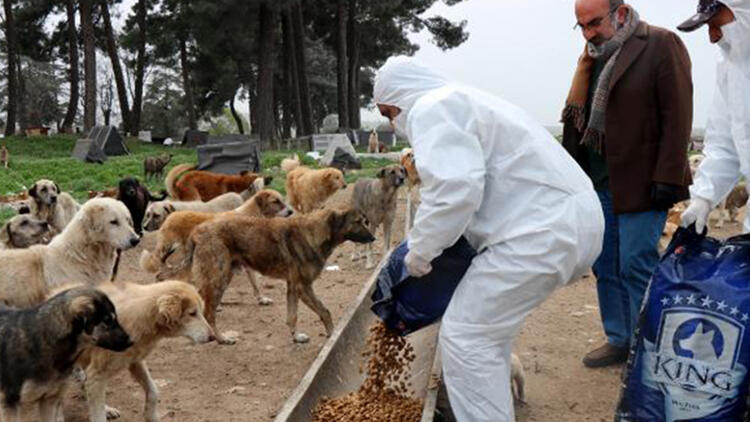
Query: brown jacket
{"x": 649, "y": 120}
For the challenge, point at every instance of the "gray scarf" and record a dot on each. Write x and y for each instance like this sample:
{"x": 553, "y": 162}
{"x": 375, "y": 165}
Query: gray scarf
{"x": 609, "y": 51}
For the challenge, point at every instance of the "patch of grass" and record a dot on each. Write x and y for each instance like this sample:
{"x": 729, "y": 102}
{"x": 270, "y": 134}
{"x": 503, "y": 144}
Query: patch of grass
{"x": 35, "y": 158}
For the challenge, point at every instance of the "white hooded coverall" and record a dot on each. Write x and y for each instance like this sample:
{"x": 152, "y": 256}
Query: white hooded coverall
{"x": 727, "y": 139}
{"x": 492, "y": 174}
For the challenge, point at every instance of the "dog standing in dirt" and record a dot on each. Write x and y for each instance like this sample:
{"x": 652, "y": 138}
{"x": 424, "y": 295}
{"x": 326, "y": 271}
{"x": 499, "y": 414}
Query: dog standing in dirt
{"x": 154, "y": 166}
{"x": 23, "y": 231}
{"x": 412, "y": 186}
{"x": 376, "y": 199}
{"x": 149, "y": 313}
{"x": 308, "y": 189}
{"x": 4, "y": 156}
{"x": 157, "y": 212}
{"x": 41, "y": 345}
{"x": 293, "y": 249}
{"x": 136, "y": 197}
{"x": 52, "y": 205}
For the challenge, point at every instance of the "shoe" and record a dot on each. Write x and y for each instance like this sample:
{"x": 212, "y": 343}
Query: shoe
{"x": 606, "y": 355}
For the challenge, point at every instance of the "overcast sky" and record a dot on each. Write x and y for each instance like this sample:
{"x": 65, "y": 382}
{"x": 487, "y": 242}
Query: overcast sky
{"x": 525, "y": 50}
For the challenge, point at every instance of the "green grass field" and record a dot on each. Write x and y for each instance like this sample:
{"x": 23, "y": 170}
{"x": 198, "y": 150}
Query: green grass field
{"x": 35, "y": 158}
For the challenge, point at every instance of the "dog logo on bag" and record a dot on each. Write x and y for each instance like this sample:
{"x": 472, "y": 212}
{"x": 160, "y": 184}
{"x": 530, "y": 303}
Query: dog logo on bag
{"x": 694, "y": 358}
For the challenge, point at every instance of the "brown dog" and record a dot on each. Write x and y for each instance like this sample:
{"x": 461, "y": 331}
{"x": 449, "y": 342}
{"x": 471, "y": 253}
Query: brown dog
{"x": 292, "y": 249}
{"x": 176, "y": 229}
{"x": 308, "y": 189}
{"x": 107, "y": 193}
{"x": 154, "y": 166}
{"x": 4, "y": 156}
{"x": 195, "y": 185}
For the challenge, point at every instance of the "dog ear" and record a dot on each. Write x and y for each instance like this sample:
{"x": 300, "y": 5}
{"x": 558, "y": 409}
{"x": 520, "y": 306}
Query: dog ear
{"x": 82, "y": 306}
{"x": 94, "y": 224}
{"x": 337, "y": 220}
{"x": 58, "y": 188}
{"x": 381, "y": 173}
{"x": 32, "y": 192}
{"x": 170, "y": 208}
{"x": 5, "y": 234}
{"x": 170, "y": 310}
{"x": 25, "y": 208}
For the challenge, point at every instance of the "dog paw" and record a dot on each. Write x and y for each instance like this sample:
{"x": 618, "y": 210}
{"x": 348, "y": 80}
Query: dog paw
{"x": 265, "y": 301}
{"x": 112, "y": 413}
{"x": 228, "y": 339}
{"x": 301, "y": 338}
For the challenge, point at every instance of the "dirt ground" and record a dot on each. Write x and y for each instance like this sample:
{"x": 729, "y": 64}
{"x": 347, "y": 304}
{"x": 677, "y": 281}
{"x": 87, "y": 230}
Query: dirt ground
{"x": 251, "y": 380}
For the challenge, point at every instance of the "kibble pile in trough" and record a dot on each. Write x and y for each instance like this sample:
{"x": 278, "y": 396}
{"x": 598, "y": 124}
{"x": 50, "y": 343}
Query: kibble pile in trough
{"x": 383, "y": 395}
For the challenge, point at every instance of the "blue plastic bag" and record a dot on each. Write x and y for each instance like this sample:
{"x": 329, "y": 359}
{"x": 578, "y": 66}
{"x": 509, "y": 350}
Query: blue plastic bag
{"x": 405, "y": 303}
{"x": 690, "y": 358}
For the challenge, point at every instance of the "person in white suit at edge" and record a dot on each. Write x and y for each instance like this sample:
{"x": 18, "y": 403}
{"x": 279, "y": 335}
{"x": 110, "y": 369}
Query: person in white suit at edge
{"x": 492, "y": 174}
{"x": 727, "y": 139}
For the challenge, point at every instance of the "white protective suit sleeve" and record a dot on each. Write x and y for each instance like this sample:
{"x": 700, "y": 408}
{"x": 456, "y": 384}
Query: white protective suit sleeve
{"x": 720, "y": 170}
{"x": 451, "y": 166}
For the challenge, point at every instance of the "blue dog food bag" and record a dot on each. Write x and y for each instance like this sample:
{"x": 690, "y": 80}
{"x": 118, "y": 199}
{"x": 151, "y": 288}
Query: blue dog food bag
{"x": 690, "y": 358}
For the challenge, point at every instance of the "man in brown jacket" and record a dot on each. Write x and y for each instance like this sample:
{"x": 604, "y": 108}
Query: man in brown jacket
{"x": 627, "y": 122}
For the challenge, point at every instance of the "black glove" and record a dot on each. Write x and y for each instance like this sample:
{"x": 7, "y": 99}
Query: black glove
{"x": 664, "y": 196}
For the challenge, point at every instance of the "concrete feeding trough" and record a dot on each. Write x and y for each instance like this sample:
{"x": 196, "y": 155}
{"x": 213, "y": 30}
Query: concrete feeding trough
{"x": 335, "y": 372}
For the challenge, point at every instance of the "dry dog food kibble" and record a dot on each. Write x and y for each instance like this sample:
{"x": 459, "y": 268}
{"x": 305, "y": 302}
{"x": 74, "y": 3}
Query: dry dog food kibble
{"x": 382, "y": 397}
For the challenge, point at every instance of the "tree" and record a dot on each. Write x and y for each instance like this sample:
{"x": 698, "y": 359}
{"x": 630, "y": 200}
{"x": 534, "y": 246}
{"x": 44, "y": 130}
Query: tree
{"x": 86, "y": 10}
{"x": 11, "y": 43}
{"x": 140, "y": 67}
{"x": 303, "y": 86}
{"x": 106, "y": 95}
{"x": 72, "y": 33}
{"x": 114, "y": 57}
{"x": 265, "y": 103}
{"x": 342, "y": 72}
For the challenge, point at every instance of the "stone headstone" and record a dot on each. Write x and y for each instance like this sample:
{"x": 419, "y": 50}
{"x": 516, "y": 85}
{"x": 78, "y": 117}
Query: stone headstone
{"x": 343, "y": 160}
{"x": 337, "y": 141}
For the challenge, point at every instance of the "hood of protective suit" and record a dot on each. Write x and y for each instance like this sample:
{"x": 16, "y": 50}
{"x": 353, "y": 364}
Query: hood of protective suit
{"x": 735, "y": 43}
{"x": 402, "y": 81}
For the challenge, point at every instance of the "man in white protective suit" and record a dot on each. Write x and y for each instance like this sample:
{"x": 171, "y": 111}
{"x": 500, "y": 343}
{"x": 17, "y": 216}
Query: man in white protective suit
{"x": 727, "y": 139}
{"x": 492, "y": 174}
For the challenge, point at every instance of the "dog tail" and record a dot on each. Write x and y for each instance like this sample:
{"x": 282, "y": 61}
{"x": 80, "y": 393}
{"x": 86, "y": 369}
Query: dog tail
{"x": 174, "y": 175}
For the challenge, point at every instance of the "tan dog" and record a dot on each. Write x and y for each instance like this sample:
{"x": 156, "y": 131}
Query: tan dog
{"x": 292, "y": 249}
{"x": 107, "y": 193}
{"x": 730, "y": 207}
{"x": 289, "y": 164}
{"x": 376, "y": 199}
{"x": 194, "y": 185}
{"x": 412, "y": 186}
{"x": 85, "y": 252}
{"x": 154, "y": 166}
{"x": 309, "y": 189}
{"x": 23, "y": 231}
{"x": 177, "y": 228}
{"x": 148, "y": 313}
{"x": 4, "y": 156}
{"x": 373, "y": 143}
{"x": 517, "y": 379}
{"x": 157, "y": 212}
{"x": 51, "y": 205}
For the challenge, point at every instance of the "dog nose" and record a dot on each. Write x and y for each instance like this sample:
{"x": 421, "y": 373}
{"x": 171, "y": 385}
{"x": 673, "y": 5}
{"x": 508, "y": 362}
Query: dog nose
{"x": 134, "y": 241}
{"x": 211, "y": 338}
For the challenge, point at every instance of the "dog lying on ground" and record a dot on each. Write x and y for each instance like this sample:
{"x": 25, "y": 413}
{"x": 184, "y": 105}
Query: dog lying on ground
{"x": 293, "y": 249}
{"x": 412, "y": 186}
{"x": 4, "y": 156}
{"x": 23, "y": 231}
{"x": 376, "y": 199}
{"x": 84, "y": 252}
{"x": 107, "y": 193}
{"x": 184, "y": 183}
{"x": 176, "y": 230}
{"x": 157, "y": 212}
{"x": 373, "y": 143}
{"x": 49, "y": 204}
{"x": 41, "y": 344}
{"x": 136, "y": 197}
{"x": 307, "y": 189}
{"x": 154, "y": 166}
{"x": 149, "y": 313}
{"x": 289, "y": 164}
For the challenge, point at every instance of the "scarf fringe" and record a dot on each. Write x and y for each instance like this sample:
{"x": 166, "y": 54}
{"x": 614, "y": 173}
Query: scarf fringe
{"x": 593, "y": 139}
{"x": 574, "y": 114}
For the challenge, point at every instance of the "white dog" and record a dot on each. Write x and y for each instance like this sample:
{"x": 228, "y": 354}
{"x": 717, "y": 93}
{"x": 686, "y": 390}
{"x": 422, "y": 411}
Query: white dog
{"x": 85, "y": 252}
{"x": 49, "y": 204}
{"x": 157, "y": 212}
